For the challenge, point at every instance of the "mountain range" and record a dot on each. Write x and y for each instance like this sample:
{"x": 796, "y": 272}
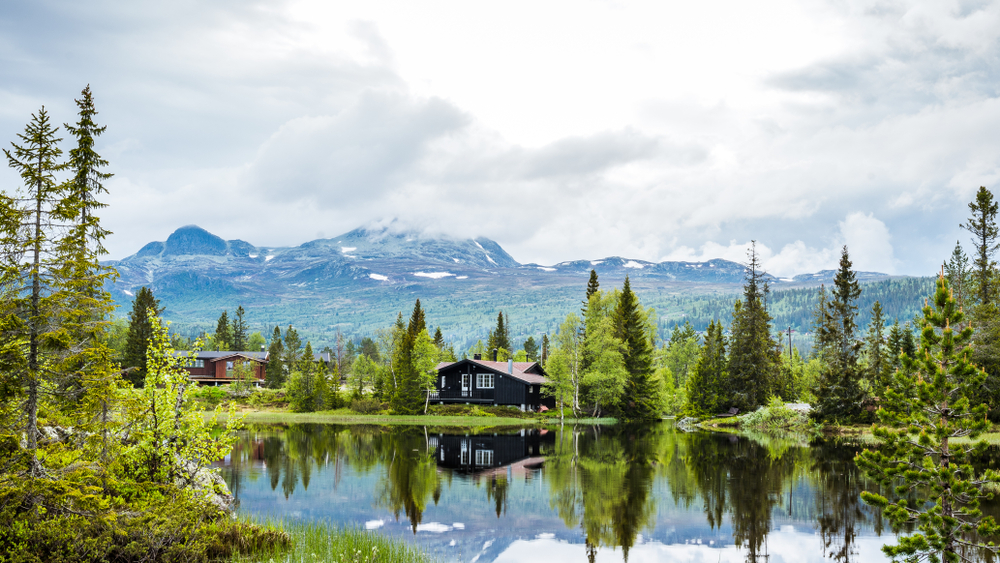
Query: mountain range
{"x": 359, "y": 281}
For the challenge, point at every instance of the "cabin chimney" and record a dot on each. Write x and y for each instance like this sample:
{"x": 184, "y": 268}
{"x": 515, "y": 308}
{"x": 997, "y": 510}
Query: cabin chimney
{"x": 262, "y": 348}
{"x": 477, "y": 357}
{"x": 510, "y": 366}
{"x": 494, "y": 354}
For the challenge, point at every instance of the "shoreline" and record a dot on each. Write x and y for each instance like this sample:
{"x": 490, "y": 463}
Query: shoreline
{"x": 265, "y": 416}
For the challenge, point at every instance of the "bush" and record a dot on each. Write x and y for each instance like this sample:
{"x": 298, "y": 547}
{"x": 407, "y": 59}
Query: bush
{"x": 268, "y": 397}
{"x": 775, "y": 416}
{"x": 45, "y": 521}
{"x": 211, "y": 396}
{"x": 366, "y": 405}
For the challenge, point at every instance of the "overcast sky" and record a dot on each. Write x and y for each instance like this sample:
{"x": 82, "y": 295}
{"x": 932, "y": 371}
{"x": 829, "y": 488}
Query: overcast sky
{"x": 562, "y": 130}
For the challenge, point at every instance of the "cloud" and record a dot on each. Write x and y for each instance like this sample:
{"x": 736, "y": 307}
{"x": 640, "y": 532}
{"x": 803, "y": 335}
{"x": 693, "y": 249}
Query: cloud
{"x": 867, "y": 239}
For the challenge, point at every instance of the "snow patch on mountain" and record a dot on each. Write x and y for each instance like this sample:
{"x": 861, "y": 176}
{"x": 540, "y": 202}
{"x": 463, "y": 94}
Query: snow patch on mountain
{"x": 433, "y": 275}
{"x": 633, "y": 264}
{"x": 544, "y": 269}
{"x": 378, "y": 277}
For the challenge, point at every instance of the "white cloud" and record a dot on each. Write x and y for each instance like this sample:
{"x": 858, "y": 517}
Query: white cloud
{"x": 641, "y": 129}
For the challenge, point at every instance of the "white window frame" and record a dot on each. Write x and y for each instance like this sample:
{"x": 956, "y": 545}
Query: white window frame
{"x": 484, "y": 458}
{"x": 483, "y": 383}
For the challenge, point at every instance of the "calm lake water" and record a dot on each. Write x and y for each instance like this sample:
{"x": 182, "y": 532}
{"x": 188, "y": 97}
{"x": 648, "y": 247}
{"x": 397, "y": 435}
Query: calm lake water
{"x": 572, "y": 494}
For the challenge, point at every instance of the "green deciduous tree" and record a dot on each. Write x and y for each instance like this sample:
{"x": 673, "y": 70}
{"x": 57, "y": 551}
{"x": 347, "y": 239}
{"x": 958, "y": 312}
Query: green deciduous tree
{"x": 926, "y": 407}
{"x": 563, "y": 365}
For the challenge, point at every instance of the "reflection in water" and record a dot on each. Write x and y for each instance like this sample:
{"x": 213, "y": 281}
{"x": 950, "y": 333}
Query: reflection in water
{"x": 600, "y": 488}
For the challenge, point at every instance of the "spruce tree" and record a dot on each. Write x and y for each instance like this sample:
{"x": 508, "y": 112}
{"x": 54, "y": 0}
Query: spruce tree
{"x": 407, "y": 398}
{"x": 223, "y": 336}
{"x": 879, "y": 364}
{"x": 275, "y": 374}
{"x": 545, "y": 349}
{"x": 840, "y": 395}
{"x": 238, "y": 331}
{"x": 982, "y": 225}
{"x": 956, "y": 269}
{"x": 292, "y": 345}
{"x": 531, "y": 349}
{"x": 439, "y": 338}
{"x": 641, "y": 400}
{"x": 140, "y": 334}
{"x": 895, "y": 345}
{"x": 706, "y": 384}
{"x": 754, "y": 355}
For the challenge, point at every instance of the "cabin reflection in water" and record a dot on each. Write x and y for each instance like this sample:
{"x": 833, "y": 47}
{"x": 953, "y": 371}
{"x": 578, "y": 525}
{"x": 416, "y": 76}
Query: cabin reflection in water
{"x": 485, "y": 454}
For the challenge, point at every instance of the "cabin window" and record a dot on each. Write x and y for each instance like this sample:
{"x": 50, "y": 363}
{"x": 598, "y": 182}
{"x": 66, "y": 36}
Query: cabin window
{"x": 531, "y": 389}
{"x": 484, "y": 457}
{"x": 464, "y": 452}
{"x": 484, "y": 381}
{"x": 442, "y": 382}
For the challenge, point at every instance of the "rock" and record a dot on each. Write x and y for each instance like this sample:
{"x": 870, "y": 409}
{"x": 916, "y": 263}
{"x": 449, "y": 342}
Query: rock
{"x": 206, "y": 481}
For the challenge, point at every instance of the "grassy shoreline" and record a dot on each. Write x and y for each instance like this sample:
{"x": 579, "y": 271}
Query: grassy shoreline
{"x": 323, "y": 541}
{"x": 344, "y": 416}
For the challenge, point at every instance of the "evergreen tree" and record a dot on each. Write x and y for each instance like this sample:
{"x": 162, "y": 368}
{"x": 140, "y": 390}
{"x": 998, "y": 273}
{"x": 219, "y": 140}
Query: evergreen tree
{"x": 895, "y": 345}
{"x": 140, "y": 333}
{"x": 754, "y": 355}
{"x": 545, "y": 349}
{"x": 642, "y": 400}
{"x": 840, "y": 395}
{"x": 705, "y": 385}
{"x": 407, "y": 397}
{"x": 438, "y": 338}
{"x": 370, "y": 348}
{"x": 223, "y": 337}
{"x": 292, "y": 344}
{"x": 937, "y": 490}
{"x": 982, "y": 225}
{"x": 531, "y": 349}
{"x": 417, "y": 321}
{"x": 275, "y": 374}
{"x": 876, "y": 350}
{"x": 238, "y": 330}
{"x": 499, "y": 337}
{"x": 593, "y": 287}
{"x": 956, "y": 269}
{"x": 879, "y": 364}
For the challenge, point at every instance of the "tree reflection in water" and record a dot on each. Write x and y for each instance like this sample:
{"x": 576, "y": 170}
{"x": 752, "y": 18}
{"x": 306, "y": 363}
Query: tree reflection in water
{"x": 598, "y": 480}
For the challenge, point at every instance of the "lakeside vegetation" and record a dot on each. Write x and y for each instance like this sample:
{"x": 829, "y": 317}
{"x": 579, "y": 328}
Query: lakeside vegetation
{"x": 323, "y": 541}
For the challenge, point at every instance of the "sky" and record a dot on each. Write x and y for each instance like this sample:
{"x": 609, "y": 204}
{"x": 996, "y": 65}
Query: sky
{"x": 563, "y": 130}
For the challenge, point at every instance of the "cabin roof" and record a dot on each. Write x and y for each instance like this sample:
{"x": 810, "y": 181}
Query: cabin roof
{"x": 528, "y": 372}
{"x": 215, "y": 356}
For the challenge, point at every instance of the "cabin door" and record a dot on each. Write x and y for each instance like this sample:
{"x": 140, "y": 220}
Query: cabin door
{"x": 466, "y": 385}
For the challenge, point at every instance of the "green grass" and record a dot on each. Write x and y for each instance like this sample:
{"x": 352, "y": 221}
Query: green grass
{"x": 323, "y": 542}
{"x": 347, "y": 416}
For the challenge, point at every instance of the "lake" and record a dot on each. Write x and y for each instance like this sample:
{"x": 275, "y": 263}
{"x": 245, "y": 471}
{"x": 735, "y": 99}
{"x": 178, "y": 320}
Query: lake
{"x": 595, "y": 493}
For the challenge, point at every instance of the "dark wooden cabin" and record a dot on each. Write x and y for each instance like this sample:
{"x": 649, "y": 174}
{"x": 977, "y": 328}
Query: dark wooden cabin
{"x": 510, "y": 383}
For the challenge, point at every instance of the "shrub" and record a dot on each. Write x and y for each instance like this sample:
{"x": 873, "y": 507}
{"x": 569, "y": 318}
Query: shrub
{"x": 268, "y": 397}
{"x": 775, "y": 416}
{"x": 211, "y": 396}
{"x": 366, "y": 405}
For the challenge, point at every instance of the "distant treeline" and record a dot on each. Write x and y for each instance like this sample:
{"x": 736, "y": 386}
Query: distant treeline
{"x": 901, "y": 298}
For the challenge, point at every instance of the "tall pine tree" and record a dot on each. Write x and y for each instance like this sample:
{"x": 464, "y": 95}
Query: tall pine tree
{"x": 982, "y": 225}
{"x": 840, "y": 395}
{"x": 706, "y": 384}
{"x": 140, "y": 334}
{"x": 275, "y": 374}
{"x": 642, "y": 397}
{"x": 238, "y": 331}
{"x": 223, "y": 337}
{"x": 754, "y": 355}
